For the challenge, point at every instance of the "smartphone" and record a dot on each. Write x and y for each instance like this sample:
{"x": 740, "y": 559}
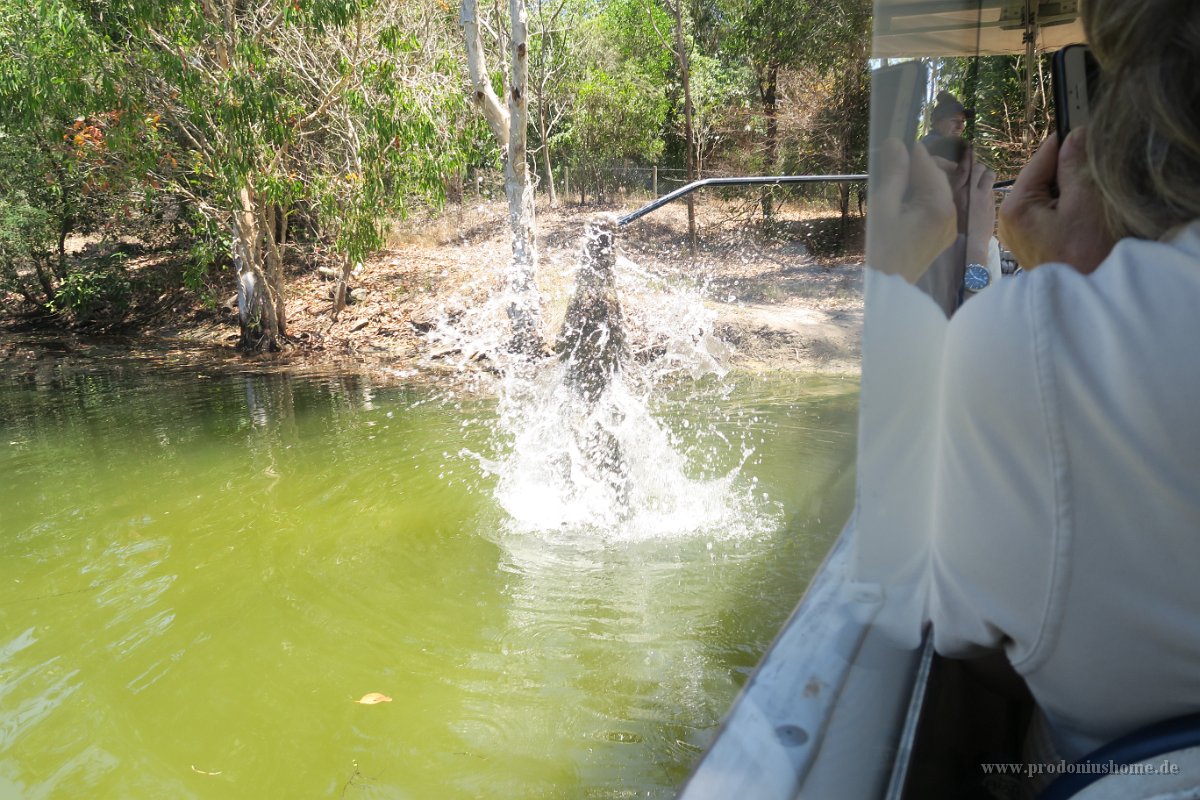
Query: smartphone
{"x": 897, "y": 92}
{"x": 1075, "y": 75}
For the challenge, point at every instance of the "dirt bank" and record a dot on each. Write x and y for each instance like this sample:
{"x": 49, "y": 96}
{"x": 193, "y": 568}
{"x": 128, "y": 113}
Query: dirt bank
{"x": 779, "y": 304}
{"x": 783, "y": 301}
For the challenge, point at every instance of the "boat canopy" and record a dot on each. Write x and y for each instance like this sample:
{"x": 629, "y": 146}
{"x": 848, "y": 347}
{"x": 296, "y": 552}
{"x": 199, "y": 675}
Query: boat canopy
{"x": 924, "y": 28}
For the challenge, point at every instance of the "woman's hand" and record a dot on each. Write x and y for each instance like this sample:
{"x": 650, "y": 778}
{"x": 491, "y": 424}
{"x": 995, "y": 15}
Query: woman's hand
{"x": 1039, "y": 227}
{"x": 905, "y": 234}
{"x": 980, "y": 212}
{"x": 972, "y": 185}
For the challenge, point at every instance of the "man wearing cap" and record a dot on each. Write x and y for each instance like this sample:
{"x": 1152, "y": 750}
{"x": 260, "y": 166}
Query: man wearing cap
{"x": 973, "y": 261}
{"x": 949, "y": 119}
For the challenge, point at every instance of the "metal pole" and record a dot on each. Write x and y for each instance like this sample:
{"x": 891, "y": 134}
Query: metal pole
{"x": 1030, "y": 38}
{"x": 751, "y": 181}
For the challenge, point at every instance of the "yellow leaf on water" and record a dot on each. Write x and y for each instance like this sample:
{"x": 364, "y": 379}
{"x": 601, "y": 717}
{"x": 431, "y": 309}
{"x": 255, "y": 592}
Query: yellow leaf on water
{"x": 203, "y": 771}
{"x": 371, "y": 698}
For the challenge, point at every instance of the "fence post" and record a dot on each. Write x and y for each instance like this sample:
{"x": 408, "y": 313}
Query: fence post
{"x": 654, "y": 182}
{"x": 566, "y": 181}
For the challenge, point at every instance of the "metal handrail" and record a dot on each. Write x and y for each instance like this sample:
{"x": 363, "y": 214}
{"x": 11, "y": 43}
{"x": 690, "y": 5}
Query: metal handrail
{"x": 769, "y": 180}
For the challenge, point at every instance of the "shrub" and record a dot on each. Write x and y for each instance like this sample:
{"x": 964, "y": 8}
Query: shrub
{"x": 95, "y": 287}
{"x": 26, "y": 249}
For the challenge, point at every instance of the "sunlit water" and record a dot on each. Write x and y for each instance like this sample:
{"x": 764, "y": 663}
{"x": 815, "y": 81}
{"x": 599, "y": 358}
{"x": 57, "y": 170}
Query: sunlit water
{"x": 201, "y": 569}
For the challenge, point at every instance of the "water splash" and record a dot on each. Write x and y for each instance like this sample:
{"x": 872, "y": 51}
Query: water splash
{"x": 603, "y": 438}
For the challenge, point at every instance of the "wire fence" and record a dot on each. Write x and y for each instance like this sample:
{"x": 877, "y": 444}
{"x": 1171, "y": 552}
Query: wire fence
{"x": 621, "y": 183}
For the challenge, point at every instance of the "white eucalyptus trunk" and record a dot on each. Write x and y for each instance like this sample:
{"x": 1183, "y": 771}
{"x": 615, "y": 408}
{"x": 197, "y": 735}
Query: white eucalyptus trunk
{"x": 509, "y": 126}
{"x": 484, "y": 96}
{"x": 261, "y": 309}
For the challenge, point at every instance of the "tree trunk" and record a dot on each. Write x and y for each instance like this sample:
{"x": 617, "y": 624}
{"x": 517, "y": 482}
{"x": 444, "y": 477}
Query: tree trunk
{"x": 769, "y": 92}
{"x": 509, "y": 126}
{"x": 931, "y": 97}
{"x": 44, "y": 280}
{"x": 340, "y": 289}
{"x": 280, "y": 215}
{"x": 843, "y": 163}
{"x": 66, "y": 219}
{"x": 260, "y": 292}
{"x": 690, "y": 146}
{"x": 484, "y": 96}
{"x": 274, "y": 264}
{"x": 543, "y": 132}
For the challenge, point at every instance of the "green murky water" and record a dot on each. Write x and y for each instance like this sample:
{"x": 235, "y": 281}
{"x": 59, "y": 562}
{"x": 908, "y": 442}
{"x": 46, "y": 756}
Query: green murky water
{"x": 201, "y": 569}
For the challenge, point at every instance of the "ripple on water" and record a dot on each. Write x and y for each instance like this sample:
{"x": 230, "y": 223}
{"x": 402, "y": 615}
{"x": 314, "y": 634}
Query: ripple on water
{"x": 216, "y": 576}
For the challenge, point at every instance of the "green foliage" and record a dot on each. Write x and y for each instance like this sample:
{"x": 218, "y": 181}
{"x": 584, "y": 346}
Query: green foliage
{"x": 617, "y": 117}
{"x": 37, "y": 202}
{"x": 44, "y": 195}
{"x": 406, "y": 144}
{"x": 718, "y": 91}
{"x": 207, "y": 250}
{"x": 774, "y": 32}
{"x": 70, "y": 146}
{"x": 52, "y": 65}
{"x": 617, "y": 96}
{"x": 24, "y": 229}
{"x": 26, "y": 243}
{"x": 94, "y": 286}
{"x": 633, "y": 32}
{"x": 287, "y": 103}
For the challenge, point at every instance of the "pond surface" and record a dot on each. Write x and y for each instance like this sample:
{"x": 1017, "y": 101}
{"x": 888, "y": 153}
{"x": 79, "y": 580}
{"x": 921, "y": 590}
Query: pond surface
{"x": 203, "y": 567}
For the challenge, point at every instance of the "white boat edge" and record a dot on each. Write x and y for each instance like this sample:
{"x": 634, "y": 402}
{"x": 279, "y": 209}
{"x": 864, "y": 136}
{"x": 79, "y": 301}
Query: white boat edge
{"x": 826, "y": 713}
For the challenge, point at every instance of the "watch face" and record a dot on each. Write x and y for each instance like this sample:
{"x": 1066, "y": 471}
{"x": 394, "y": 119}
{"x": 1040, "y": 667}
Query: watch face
{"x": 976, "y": 278}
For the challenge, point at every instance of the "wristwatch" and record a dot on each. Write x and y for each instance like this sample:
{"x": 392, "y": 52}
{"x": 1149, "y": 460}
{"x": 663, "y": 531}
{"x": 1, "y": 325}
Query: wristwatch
{"x": 976, "y": 278}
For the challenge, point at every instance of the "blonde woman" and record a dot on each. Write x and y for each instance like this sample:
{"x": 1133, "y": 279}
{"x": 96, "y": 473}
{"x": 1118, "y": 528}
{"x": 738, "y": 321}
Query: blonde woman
{"x": 1066, "y": 527}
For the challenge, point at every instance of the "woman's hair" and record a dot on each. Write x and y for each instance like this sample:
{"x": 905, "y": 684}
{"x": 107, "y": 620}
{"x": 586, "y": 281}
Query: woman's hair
{"x": 1144, "y": 134}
